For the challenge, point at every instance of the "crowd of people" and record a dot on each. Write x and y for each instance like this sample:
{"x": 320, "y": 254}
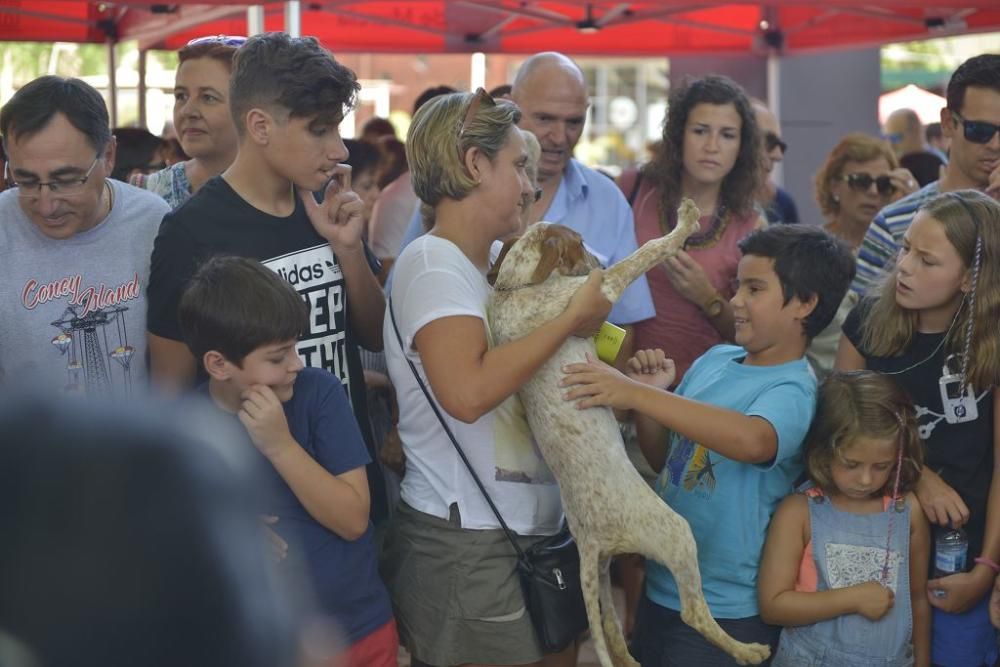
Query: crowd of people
{"x": 816, "y": 400}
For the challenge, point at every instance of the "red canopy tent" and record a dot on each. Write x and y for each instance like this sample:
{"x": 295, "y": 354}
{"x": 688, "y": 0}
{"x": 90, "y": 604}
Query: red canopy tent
{"x": 608, "y": 27}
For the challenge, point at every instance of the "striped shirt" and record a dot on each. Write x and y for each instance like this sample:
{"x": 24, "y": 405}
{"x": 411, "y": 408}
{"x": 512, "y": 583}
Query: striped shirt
{"x": 882, "y": 240}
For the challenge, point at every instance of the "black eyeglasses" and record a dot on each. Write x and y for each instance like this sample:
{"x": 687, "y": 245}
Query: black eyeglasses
{"x": 861, "y": 182}
{"x": 480, "y": 96}
{"x": 977, "y": 131}
{"x": 224, "y": 40}
{"x": 62, "y": 187}
{"x": 772, "y": 141}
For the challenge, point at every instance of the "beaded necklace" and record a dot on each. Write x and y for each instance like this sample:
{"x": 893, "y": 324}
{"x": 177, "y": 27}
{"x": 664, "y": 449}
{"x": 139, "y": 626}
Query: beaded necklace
{"x": 709, "y": 235}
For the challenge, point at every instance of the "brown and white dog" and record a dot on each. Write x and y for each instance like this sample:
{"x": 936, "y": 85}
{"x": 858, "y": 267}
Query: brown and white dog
{"x": 610, "y": 509}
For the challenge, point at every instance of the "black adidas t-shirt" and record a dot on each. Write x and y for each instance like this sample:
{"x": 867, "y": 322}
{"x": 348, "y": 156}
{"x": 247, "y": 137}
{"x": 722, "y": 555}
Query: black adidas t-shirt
{"x": 217, "y": 221}
{"x": 961, "y": 453}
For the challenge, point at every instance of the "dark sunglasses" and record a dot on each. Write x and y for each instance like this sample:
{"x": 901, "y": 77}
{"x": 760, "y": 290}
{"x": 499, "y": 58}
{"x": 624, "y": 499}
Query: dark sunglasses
{"x": 861, "y": 182}
{"x": 224, "y": 40}
{"x": 977, "y": 131}
{"x": 772, "y": 141}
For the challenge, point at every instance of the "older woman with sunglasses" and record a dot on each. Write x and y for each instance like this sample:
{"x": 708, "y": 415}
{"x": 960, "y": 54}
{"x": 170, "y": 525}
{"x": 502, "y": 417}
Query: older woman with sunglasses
{"x": 201, "y": 117}
{"x": 448, "y": 566}
{"x": 860, "y": 176}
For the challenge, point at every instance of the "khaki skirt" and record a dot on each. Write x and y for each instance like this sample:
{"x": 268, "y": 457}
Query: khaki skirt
{"x": 456, "y": 592}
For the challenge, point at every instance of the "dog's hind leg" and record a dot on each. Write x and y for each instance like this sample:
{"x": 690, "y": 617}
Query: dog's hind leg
{"x": 612, "y": 626}
{"x": 590, "y": 558}
{"x": 667, "y": 539}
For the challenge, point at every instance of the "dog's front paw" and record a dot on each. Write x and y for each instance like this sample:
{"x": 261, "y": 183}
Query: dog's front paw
{"x": 751, "y": 654}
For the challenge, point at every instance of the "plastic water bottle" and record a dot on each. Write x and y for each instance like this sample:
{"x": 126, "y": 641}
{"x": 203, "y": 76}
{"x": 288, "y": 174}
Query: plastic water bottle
{"x": 951, "y": 546}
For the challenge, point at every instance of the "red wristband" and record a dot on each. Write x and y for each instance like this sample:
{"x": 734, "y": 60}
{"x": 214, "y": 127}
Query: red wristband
{"x": 983, "y": 560}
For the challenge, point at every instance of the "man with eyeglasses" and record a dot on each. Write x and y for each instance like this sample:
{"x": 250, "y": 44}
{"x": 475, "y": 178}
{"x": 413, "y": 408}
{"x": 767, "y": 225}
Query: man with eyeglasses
{"x": 74, "y": 246}
{"x": 778, "y": 205}
{"x": 971, "y": 121}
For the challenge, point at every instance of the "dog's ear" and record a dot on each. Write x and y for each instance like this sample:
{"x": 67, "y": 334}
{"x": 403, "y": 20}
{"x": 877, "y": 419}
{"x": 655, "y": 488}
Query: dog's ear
{"x": 494, "y": 271}
{"x": 551, "y": 253}
{"x": 562, "y": 249}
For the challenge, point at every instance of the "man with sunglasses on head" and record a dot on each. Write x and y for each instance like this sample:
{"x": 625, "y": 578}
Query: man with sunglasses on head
{"x": 74, "y": 246}
{"x": 971, "y": 121}
{"x": 778, "y": 205}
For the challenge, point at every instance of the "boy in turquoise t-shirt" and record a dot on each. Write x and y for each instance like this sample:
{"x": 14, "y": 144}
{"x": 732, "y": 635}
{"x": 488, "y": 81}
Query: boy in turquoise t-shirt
{"x": 736, "y": 424}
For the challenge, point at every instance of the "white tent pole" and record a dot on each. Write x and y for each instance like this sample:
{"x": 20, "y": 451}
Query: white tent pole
{"x": 255, "y": 20}
{"x": 142, "y": 87}
{"x": 293, "y": 18}
{"x": 112, "y": 83}
{"x": 774, "y": 104}
{"x": 477, "y": 73}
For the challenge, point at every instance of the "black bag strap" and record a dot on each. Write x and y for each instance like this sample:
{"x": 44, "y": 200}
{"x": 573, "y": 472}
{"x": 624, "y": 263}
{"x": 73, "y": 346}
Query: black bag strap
{"x": 461, "y": 454}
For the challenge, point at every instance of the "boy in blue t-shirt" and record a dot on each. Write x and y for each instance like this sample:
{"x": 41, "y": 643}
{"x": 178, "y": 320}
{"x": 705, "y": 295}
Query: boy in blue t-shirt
{"x": 736, "y": 424}
{"x": 242, "y": 321}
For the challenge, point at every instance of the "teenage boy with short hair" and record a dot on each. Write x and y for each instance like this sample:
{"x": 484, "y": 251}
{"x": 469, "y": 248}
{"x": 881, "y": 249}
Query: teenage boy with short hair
{"x": 736, "y": 425}
{"x": 287, "y": 96}
{"x": 243, "y": 322}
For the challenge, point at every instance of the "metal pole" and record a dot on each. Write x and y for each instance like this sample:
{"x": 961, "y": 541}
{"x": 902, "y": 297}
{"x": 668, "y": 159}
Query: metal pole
{"x": 293, "y": 18}
{"x": 255, "y": 20}
{"x": 112, "y": 84}
{"x": 142, "y": 88}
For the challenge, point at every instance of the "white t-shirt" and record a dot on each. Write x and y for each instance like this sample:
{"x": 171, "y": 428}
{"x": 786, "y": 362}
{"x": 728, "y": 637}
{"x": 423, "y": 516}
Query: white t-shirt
{"x": 435, "y": 280}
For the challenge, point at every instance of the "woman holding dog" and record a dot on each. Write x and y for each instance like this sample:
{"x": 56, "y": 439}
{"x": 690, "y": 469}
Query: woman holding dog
{"x": 710, "y": 153}
{"x": 449, "y": 568}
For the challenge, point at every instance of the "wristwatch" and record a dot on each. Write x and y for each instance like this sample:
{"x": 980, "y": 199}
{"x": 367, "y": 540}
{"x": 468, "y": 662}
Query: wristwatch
{"x": 714, "y": 305}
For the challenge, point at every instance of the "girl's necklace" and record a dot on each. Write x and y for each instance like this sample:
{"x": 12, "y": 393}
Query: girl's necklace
{"x": 704, "y": 239}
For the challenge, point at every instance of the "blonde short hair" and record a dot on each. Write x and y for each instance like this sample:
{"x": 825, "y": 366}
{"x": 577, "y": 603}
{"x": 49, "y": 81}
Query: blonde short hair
{"x": 436, "y": 153}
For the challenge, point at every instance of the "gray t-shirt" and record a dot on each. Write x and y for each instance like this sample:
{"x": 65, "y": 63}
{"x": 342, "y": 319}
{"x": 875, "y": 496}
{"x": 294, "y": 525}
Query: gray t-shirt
{"x": 73, "y": 311}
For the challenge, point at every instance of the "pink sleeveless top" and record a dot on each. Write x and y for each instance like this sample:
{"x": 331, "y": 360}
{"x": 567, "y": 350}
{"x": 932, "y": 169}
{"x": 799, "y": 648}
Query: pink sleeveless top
{"x": 680, "y": 327}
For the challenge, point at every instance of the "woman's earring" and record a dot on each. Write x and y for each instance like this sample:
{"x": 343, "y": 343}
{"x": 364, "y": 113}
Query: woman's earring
{"x": 836, "y": 198}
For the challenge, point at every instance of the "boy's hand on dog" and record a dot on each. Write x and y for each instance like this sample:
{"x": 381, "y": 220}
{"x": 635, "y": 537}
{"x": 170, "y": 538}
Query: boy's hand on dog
{"x": 595, "y": 383}
{"x": 588, "y": 306}
{"x": 651, "y": 367}
{"x": 340, "y": 218}
{"x": 264, "y": 419}
{"x": 874, "y": 600}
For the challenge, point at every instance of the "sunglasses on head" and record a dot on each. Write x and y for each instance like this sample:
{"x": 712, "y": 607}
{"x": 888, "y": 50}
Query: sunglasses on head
{"x": 477, "y": 100}
{"x": 977, "y": 131}
{"x": 224, "y": 40}
{"x": 772, "y": 141}
{"x": 861, "y": 182}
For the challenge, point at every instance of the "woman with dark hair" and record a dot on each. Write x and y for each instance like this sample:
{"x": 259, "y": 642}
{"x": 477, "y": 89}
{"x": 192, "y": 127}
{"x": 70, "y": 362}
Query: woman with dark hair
{"x": 137, "y": 151}
{"x": 710, "y": 154}
{"x": 201, "y": 117}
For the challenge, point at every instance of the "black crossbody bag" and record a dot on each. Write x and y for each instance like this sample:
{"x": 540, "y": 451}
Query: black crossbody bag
{"x": 549, "y": 570}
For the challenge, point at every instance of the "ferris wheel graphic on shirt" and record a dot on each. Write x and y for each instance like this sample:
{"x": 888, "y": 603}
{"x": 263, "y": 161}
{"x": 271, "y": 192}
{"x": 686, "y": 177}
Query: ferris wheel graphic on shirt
{"x": 96, "y": 347}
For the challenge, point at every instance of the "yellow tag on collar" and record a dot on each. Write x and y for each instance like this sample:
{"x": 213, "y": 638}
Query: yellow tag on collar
{"x": 609, "y": 342}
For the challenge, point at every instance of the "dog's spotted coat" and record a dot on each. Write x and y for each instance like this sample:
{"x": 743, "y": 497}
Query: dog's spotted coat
{"x": 610, "y": 509}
